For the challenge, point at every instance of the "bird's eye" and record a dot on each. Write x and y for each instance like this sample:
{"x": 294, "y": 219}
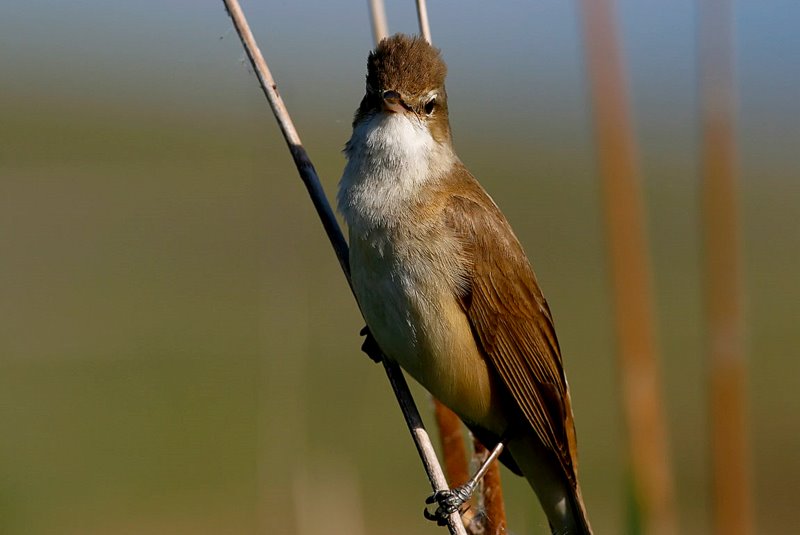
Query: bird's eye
{"x": 430, "y": 105}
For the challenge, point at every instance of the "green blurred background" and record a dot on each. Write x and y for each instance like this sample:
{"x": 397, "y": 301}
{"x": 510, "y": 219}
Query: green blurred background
{"x": 178, "y": 348}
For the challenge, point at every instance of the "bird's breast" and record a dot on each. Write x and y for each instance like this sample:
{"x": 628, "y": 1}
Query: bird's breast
{"x": 407, "y": 267}
{"x": 407, "y": 283}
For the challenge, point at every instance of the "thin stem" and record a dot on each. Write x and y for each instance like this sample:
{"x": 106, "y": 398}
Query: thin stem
{"x": 378, "y": 17}
{"x": 309, "y": 176}
{"x": 304, "y": 166}
{"x": 487, "y": 462}
{"x": 422, "y": 17}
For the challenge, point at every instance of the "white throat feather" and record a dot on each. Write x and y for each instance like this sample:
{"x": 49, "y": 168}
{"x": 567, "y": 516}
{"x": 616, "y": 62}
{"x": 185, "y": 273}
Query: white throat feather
{"x": 391, "y": 157}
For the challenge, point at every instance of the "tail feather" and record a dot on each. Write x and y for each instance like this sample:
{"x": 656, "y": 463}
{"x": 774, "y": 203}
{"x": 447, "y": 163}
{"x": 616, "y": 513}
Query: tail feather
{"x": 574, "y": 521}
{"x": 559, "y": 495}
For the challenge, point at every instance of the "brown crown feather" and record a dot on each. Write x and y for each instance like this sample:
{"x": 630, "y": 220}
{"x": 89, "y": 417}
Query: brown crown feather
{"x": 406, "y": 64}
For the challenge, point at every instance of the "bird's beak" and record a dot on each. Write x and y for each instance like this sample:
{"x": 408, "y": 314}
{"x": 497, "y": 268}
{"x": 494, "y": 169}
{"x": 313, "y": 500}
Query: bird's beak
{"x": 393, "y": 102}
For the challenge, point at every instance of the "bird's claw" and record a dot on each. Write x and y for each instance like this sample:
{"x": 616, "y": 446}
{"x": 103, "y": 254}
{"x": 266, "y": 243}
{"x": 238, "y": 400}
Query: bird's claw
{"x": 449, "y": 502}
{"x": 370, "y": 346}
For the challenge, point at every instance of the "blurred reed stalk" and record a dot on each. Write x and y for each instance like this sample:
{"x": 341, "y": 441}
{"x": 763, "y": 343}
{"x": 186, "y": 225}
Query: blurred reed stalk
{"x": 451, "y": 437}
{"x": 727, "y": 371}
{"x": 309, "y": 177}
{"x": 454, "y": 450}
{"x": 630, "y": 271}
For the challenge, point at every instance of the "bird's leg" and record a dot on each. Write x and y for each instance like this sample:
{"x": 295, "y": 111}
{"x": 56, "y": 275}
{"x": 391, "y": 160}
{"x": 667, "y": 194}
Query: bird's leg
{"x": 451, "y": 500}
{"x": 370, "y": 346}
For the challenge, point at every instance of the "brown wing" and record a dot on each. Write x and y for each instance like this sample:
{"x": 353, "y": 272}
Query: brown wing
{"x": 511, "y": 320}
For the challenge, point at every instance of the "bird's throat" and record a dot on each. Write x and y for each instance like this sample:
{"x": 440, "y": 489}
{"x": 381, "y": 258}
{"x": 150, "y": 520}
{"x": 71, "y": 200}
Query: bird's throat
{"x": 392, "y": 160}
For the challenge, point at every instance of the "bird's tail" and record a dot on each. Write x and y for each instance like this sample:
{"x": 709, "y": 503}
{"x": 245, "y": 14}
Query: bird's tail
{"x": 574, "y": 521}
{"x": 559, "y": 495}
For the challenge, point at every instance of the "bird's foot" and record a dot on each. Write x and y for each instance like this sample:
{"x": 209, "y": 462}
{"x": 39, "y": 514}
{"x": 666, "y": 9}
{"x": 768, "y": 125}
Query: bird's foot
{"x": 370, "y": 346}
{"x": 449, "y": 501}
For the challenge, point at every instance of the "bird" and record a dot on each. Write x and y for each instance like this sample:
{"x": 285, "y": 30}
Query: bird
{"x": 444, "y": 285}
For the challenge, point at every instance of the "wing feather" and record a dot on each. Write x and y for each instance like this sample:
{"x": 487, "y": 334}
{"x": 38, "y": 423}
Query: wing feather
{"x": 511, "y": 320}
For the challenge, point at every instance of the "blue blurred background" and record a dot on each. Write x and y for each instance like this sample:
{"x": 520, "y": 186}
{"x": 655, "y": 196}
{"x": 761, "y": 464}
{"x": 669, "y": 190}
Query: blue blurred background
{"x": 178, "y": 348}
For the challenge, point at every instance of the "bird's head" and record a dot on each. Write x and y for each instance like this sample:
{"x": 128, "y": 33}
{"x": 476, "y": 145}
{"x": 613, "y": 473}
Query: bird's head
{"x": 405, "y": 76}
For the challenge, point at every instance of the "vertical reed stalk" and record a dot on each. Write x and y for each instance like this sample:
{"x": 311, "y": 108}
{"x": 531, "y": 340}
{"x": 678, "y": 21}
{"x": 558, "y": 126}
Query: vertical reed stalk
{"x": 630, "y": 272}
{"x": 422, "y": 18}
{"x": 377, "y": 15}
{"x": 727, "y": 372}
